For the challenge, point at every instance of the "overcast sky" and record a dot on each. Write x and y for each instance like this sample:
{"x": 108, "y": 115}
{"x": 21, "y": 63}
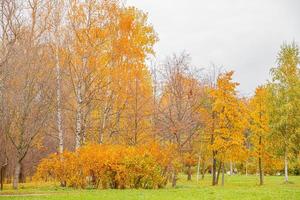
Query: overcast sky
{"x": 240, "y": 35}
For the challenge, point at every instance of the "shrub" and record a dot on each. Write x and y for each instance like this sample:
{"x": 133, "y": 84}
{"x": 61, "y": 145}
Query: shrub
{"x": 110, "y": 166}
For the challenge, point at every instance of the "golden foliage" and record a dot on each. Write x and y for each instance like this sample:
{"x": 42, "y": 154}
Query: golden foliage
{"x": 112, "y": 166}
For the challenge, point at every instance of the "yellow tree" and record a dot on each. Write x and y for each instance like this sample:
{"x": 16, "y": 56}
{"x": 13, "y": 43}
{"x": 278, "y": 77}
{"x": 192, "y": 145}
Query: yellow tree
{"x": 91, "y": 24}
{"x": 131, "y": 82}
{"x": 259, "y": 126}
{"x": 230, "y": 122}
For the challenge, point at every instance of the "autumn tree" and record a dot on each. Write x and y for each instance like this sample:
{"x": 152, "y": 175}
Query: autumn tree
{"x": 88, "y": 49}
{"x": 10, "y": 29}
{"x": 284, "y": 103}
{"x": 259, "y": 126}
{"x": 178, "y": 116}
{"x": 56, "y": 36}
{"x": 28, "y": 94}
{"x": 131, "y": 79}
{"x": 230, "y": 122}
{"x": 208, "y": 116}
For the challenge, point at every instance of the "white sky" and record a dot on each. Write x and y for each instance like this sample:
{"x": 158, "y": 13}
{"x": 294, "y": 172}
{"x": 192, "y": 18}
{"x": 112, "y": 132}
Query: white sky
{"x": 240, "y": 35}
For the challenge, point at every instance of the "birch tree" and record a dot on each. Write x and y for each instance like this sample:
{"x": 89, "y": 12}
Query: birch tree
{"x": 56, "y": 36}
{"x": 284, "y": 103}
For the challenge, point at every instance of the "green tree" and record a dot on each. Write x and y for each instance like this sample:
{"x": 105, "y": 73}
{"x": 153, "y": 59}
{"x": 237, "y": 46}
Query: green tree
{"x": 284, "y": 98}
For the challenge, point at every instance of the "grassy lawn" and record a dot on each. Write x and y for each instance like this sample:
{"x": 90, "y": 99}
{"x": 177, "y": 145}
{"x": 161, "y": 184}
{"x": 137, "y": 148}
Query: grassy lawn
{"x": 236, "y": 187}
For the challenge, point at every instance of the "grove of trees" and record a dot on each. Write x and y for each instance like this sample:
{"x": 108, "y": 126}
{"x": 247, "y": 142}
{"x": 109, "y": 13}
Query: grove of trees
{"x": 83, "y": 103}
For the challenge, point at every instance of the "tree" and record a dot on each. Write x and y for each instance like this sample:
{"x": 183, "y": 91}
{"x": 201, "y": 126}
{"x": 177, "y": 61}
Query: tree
{"x": 10, "y": 30}
{"x": 56, "y": 35}
{"x": 209, "y": 115}
{"x": 131, "y": 79}
{"x": 259, "y": 126}
{"x": 179, "y": 121}
{"x": 284, "y": 101}
{"x": 230, "y": 121}
{"x": 28, "y": 94}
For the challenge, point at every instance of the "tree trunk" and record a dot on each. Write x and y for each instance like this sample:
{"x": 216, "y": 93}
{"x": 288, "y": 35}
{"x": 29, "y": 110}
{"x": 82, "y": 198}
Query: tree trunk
{"x": 174, "y": 179}
{"x": 2, "y": 175}
{"x": 189, "y": 173}
{"x": 231, "y": 170}
{"x": 261, "y": 182}
{"x": 1, "y": 178}
{"x": 17, "y": 175}
{"x": 260, "y": 171}
{"x": 214, "y": 170}
{"x": 22, "y": 178}
{"x": 78, "y": 119}
{"x": 198, "y": 168}
{"x": 203, "y": 171}
{"x": 286, "y": 167}
{"x": 218, "y": 175}
{"x": 214, "y": 161}
{"x": 58, "y": 104}
{"x": 246, "y": 166}
{"x": 102, "y": 127}
{"x": 223, "y": 172}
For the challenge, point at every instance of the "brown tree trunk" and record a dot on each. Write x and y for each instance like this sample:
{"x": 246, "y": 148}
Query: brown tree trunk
{"x": 214, "y": 169}
{"x": 214, "y": 161}
{"x": 189, "y": 173}
{"x": 246, "y": 168}
{"x": 223, "y": 172}
{"x": 218, "y": 175}
{"x": 17, "y": 175}
{"x": 2, "y": 175}
{"x": 1, "y": 179}
{"x": 203, "y": 173}
{"x": 22, "y": 178}
{"x": 261, "y": 182}
{"x": 174, "y": 179}
{"x": 198, "y": 169}
{"x": 260, "y": 172}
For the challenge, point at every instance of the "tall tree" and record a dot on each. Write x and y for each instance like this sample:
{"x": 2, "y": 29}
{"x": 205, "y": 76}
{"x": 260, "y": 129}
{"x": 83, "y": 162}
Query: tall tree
{"x": 179, "y": 121}
{"x": 285, "y": 103}
{"x": 56, "y": 35}
{"x": 209, "y": 115}
{"x": 230, "y": 121}
{"x": 259, "y": 126}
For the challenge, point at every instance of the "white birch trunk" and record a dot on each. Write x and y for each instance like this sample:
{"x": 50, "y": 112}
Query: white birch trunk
{"x": 58, "y": 104}
{"x": 102, "y": 129}
{"x": 78, "y": 118}
{"x": 286, "y": 167}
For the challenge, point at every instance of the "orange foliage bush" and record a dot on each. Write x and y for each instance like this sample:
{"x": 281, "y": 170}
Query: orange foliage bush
{"x": 110, "y": 166}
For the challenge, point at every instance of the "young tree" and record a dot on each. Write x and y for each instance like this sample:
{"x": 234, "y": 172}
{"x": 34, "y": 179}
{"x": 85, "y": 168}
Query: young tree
{"x": 230, "y": 121}
{"x": 131, "y": 80}
{"x": 259, "y": 126}
{"x": 209, "y": 115}
{"x": 285, "y": 103}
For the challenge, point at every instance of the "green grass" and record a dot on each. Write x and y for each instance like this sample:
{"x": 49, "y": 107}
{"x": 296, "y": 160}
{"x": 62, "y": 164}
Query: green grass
{"x": 236, "y": 187}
